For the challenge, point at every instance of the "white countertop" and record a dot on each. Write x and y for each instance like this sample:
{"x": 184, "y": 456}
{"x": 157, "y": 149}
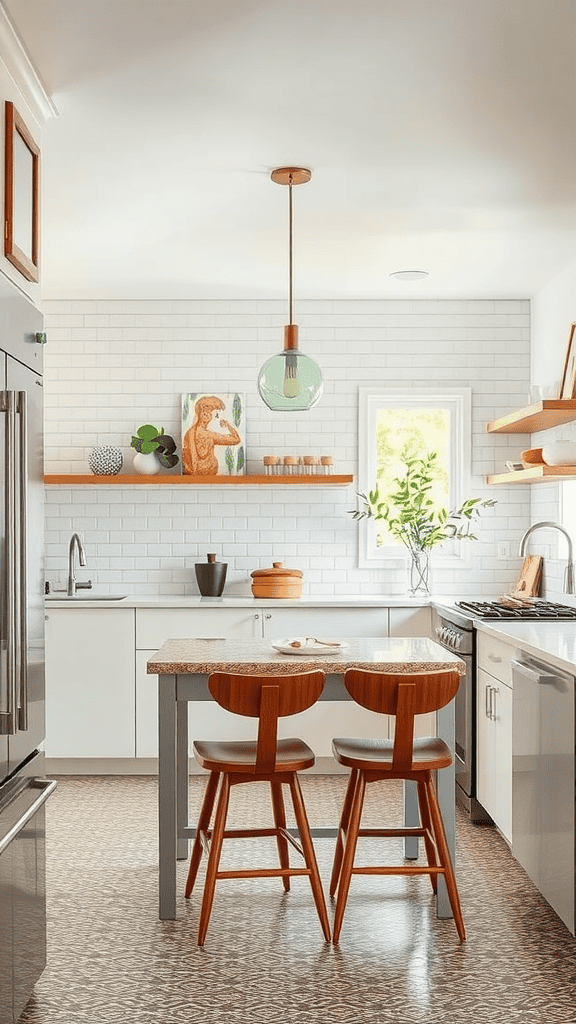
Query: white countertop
{"x": 175, "y": 601}
{"x": 552, "y": 642}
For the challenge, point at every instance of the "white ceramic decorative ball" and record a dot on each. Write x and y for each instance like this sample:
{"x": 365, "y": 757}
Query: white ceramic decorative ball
{"x": 106, "y": 460}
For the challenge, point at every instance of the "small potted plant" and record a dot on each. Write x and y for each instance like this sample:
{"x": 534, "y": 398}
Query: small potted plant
{"x": 154, "y": 449}
{"x": 414, "y": 519}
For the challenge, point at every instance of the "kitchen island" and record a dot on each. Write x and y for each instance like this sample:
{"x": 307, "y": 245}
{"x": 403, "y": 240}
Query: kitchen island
{"x": 183, "y": 667}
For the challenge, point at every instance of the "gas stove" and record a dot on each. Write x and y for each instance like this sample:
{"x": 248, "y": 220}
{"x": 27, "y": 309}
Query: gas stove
{"x": 538, "y": 610}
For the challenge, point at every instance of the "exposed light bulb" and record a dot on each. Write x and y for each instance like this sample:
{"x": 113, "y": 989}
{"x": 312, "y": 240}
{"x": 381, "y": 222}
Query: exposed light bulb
{"x": 291, "y": 386}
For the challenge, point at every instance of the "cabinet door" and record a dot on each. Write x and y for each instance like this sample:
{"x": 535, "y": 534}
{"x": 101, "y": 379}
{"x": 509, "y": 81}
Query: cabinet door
{"x": 502, "y": 806}
{"x": 90, "y": 682}
{"x": 410, "y": 621}
{"x": 485, "y": 739}
{"x": 331, "y": 623}
{"x": 156, "y": 625}
{"x": 494, "y": 750}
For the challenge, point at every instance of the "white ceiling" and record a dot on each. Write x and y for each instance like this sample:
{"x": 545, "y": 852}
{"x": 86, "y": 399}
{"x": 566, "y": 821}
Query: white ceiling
{"x": 440, "y": 133}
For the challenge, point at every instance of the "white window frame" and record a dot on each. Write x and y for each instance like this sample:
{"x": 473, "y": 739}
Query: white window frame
{"x": 370, "y": 400}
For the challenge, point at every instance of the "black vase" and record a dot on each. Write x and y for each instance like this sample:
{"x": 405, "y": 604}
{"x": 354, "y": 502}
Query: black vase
{"x": 211, "y": 576}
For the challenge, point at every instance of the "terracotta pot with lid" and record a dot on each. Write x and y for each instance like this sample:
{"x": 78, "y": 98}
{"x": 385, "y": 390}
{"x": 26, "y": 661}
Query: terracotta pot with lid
{"x": 277, "y": 582}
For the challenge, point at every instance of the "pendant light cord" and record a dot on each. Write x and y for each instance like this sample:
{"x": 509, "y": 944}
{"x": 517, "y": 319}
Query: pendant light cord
{"x": 290, "y": 243}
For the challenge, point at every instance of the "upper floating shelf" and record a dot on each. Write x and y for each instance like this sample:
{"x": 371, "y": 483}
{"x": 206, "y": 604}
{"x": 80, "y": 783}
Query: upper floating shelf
{"x": 551, "y": 412}
{"x": 534, "y": 475}
{"x": 127, "y": 480}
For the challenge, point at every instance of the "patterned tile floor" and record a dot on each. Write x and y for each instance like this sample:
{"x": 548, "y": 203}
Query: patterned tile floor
{"x": 111, "y": 961}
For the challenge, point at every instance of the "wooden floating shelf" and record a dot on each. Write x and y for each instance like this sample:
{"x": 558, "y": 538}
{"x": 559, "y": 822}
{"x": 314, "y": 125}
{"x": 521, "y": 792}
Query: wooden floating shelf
{"x": 536, "y": 475}
{"x": 551, "y": 412}
{"x": 128, "y": 480}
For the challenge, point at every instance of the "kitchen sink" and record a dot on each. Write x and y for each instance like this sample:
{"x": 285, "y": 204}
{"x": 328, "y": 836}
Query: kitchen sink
{"x": 84, "y": 597}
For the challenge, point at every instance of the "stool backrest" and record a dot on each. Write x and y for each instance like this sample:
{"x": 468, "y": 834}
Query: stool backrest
{"x": 266, "y": 698}
{"x": 402, "y": 695}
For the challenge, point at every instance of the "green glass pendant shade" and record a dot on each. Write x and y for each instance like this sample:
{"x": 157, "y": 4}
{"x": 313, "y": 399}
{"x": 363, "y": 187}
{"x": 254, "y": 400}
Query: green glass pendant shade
{"x": 290, "y": 382}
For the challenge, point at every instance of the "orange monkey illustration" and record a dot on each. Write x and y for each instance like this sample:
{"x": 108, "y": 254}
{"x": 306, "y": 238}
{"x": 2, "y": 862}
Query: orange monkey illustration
{"x": 198, "y": 456}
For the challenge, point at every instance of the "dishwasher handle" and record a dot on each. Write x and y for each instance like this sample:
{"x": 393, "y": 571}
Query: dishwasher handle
{"x": 536, "y": 674}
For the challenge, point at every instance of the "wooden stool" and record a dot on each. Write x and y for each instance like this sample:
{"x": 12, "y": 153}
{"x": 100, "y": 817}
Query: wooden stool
{"x": 403, "y": 696}
{"x": 267, "y": 759}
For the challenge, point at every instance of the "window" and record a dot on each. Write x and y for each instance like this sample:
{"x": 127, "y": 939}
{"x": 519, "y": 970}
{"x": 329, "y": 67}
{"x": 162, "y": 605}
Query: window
{"x": 390, "y": 420}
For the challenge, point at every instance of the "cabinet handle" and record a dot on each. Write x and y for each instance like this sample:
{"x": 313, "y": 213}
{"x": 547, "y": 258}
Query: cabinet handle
{"x": 256, "y": 616}
{"x": 487, "y": 700}
{"x": 268, "y": 616}
{"x": 495, "y": 690}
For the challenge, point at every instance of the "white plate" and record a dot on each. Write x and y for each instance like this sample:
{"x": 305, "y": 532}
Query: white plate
{"x": 308, "y": 647}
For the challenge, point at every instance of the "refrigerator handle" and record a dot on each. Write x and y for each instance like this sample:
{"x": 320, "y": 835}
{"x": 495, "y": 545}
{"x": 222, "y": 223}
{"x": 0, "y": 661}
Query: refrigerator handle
{"x": 22, "y": 462}
{"x": 7, "y": 713}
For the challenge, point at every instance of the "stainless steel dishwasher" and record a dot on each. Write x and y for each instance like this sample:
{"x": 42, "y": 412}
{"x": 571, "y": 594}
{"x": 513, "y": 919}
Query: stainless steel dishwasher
{"x": 543, "y": 766}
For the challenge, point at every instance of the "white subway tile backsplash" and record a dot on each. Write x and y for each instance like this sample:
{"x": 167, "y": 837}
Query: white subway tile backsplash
{"x": 112, "y": 366}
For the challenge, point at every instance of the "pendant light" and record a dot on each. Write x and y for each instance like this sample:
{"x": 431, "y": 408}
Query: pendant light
{"x": 290, "y": 380}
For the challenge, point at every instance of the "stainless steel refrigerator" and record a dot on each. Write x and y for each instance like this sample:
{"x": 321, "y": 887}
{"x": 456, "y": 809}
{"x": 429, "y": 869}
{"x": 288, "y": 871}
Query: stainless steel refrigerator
{"x": 23, "y": 786}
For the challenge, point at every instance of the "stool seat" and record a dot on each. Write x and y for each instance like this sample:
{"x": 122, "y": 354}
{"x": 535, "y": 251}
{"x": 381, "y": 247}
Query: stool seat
{"x": 292, "y": 755}
{"x": 428, "y": 754}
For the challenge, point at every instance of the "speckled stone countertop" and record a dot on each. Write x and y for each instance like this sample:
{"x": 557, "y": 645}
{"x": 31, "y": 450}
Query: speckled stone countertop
{"x": 384, "y": 654}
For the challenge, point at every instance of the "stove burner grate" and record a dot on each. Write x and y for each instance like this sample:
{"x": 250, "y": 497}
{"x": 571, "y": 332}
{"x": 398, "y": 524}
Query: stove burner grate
{"x": 494, "y": 610}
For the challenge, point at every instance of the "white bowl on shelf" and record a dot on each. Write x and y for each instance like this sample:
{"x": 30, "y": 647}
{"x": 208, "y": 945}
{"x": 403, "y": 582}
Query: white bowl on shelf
{"x": 559, "y": 453}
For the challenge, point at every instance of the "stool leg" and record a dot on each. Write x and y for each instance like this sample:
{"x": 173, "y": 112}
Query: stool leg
{"x": 280, "y": 823}
{"x": 214, "y": 858}
{"x": 342, "y": 831}
{"x": 203, "y": 826}
{"x": 445, "y": 859}
{"x": 427, "y": 824}
{"x": 309, "y": 855}
{"x": 349, "y": 851}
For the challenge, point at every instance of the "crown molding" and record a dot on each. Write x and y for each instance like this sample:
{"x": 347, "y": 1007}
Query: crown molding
{"x": 19, "y": 65}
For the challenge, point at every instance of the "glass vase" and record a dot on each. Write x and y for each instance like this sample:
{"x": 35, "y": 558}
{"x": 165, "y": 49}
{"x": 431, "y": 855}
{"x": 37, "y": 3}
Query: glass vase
{"x": 419, "y": 583}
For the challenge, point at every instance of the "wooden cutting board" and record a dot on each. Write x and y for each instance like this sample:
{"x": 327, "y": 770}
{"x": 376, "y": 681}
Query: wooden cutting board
{"x": 528, "y": 584}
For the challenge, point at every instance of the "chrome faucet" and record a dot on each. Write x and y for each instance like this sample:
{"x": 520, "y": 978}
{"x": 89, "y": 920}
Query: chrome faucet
{"x": 75, "y": 543}
{"x": 569, "y": 570}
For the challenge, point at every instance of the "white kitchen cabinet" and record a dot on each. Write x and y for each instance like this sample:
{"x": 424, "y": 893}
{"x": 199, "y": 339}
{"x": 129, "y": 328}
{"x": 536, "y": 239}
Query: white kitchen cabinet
{"x": 90, "y": 682}
{"x": 207, "y": 720}
{"x": 156, "y": 625}
{"x": 410, "y": 621}
{"x": 326, "y": 719}
{"x": 101, "y": 703}
{"x": 316, "y": 726}
{"x": 494, "y": 731}
{"x": 332, "y": 623}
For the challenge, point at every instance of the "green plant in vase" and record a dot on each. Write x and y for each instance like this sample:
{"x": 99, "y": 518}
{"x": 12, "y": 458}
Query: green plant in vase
{"x": 415, "y": 519}
{"x": 149, "y": 440}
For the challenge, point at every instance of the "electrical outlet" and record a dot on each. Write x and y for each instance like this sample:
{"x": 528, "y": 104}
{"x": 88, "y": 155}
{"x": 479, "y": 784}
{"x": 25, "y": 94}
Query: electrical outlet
{"x": 504, "y": 549}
